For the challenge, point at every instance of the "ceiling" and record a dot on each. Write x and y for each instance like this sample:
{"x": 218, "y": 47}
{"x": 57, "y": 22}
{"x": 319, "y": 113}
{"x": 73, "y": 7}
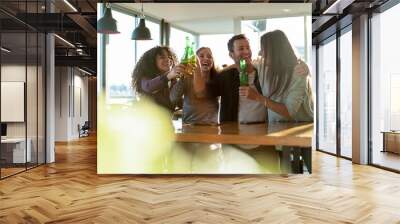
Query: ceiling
{"x": 197, "y": 17}
{"x": 76, "y": 24}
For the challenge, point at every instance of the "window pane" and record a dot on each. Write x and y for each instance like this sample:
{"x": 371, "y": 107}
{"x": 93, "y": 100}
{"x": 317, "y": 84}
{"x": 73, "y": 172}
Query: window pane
{"x": 385, "y": 84}
{"x": 346, "y": 94}
{"x": 293, "y": 27}
{"x": 177, "y": 41}
{"x": 218, "y": 44}
{"x": 120, "y": 58}
{"x": 327, "y": 97}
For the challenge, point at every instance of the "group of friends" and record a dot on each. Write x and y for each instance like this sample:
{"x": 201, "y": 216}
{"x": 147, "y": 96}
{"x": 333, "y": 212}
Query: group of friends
{"x": 278, "y": 83}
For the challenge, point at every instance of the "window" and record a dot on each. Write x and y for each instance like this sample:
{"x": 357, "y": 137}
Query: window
{"x": 177, "y": 41}
{"x": 218, "y": 43}
{"x": 327, "y": 97}
{"x": 120, "y": 58}
{"x": 143, "y": 46}
{"x": 346, "y": 94}
{"x": 385, "y": 84}
{"x": 122, "y": 53}
{"x": 293, "y": 27}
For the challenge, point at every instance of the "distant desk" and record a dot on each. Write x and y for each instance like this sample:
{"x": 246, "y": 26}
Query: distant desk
{"x": 13, "y": 150}
{"x": 391, "y": 141}
{"x": 294, "y": 135}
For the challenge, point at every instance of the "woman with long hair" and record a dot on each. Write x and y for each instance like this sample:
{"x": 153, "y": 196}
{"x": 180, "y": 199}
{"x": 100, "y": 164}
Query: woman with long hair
{"x": 198, "y": 109}
{"x": 286, "y": 89}
{"x": 153, "y": 73}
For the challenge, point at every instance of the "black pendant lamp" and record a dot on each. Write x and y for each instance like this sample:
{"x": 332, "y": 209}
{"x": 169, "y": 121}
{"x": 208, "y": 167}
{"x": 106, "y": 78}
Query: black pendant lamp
{"x": 107, "y": 24}
{"x": 141, "y": 32}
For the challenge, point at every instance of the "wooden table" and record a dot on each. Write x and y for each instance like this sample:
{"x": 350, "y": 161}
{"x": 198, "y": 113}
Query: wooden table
{"x": 296, "y": 136}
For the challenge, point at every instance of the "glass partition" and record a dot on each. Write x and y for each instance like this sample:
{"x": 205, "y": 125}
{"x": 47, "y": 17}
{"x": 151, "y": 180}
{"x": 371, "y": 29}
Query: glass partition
{"x": 22, "y": 92}
{"x": 327, "y": 96}
{"x": 13, "y": 105}
{"x": 346, "y": 94}
{"x": 385, "y": 89}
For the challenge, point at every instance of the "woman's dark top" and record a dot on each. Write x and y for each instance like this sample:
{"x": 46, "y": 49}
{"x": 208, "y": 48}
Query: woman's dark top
{"x": 226, "y": 85}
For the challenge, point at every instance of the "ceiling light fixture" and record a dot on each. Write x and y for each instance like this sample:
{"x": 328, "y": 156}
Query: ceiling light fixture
{"x": 337, "y": 7}
{"x": 64, "y": 40}
{"x": 70, "y": 5}
{"x": 141, "y": 32}
{"x": 84, "y": 71}
{"x": 5, "y": 50}
{"x": 107, "y": 24}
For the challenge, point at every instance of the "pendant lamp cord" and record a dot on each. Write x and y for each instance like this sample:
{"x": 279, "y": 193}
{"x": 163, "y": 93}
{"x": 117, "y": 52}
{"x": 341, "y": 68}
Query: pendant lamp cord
{"x": 142, "y": 14}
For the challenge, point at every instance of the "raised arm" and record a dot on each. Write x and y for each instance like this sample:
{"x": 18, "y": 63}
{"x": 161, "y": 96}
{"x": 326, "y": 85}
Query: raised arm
{"x": 177, "y": 91}
{"x": 161, "y": 81}
{"x": 155, "y": 84}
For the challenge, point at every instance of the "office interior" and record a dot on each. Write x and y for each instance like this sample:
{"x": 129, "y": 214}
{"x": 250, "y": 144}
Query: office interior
{"x": 48, "y": 73}
{"x": 50, "y": 78}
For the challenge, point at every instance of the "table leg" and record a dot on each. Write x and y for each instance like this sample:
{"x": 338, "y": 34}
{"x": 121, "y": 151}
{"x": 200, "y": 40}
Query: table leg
{"x": 297, "y": 163}
{"x": 306, "y": 154}
{"x": 286, "y": 161}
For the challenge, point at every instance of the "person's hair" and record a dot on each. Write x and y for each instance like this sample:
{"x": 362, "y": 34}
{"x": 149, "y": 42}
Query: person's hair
{"x": 276, "y": 48}
{"x": 232, "y": 40}
{"x": 213, "y": 70}
{"x": 147, "y": 67}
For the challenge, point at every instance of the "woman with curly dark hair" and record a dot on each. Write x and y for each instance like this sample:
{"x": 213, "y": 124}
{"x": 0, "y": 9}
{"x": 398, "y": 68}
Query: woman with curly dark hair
{"x": 153, "y": 72}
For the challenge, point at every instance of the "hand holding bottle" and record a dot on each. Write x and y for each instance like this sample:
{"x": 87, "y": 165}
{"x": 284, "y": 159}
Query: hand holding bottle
{"x": 250, "y": 93}
{"x": 243, "y": 76}
{"x": 176, "y": 71}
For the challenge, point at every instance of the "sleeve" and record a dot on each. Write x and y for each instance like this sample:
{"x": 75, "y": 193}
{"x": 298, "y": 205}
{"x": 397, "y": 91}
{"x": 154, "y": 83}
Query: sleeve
{"x": 177, "y": 91}
{"x": 155, "y": 84}
{"x": 296, "y": 94}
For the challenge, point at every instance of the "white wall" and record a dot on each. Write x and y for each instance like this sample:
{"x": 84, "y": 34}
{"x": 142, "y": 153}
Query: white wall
{"x": 62, "y": 81}
{"x": 71, "y": 102}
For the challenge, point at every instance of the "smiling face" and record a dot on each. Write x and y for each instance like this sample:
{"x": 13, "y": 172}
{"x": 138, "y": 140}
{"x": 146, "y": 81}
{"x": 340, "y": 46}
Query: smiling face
{"x": 241, "y": 50}
{"x": 206, "y": 59}
{"x": 163, "y": 61}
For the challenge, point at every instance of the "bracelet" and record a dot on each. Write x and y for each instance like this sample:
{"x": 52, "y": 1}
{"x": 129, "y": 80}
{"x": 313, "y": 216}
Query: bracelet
{"x": 265, "y": 101}
{"x": 262, "y": 100}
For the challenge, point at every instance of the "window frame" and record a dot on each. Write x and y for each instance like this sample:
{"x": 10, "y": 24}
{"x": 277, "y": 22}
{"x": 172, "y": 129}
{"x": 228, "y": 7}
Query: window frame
{"x": 333, "y": 37}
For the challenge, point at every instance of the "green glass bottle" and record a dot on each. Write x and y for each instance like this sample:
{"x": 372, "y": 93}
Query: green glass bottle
{"x": 244, "y": 78}
{"x": 192, "y": 56}
{"x": 186, "y": 57}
